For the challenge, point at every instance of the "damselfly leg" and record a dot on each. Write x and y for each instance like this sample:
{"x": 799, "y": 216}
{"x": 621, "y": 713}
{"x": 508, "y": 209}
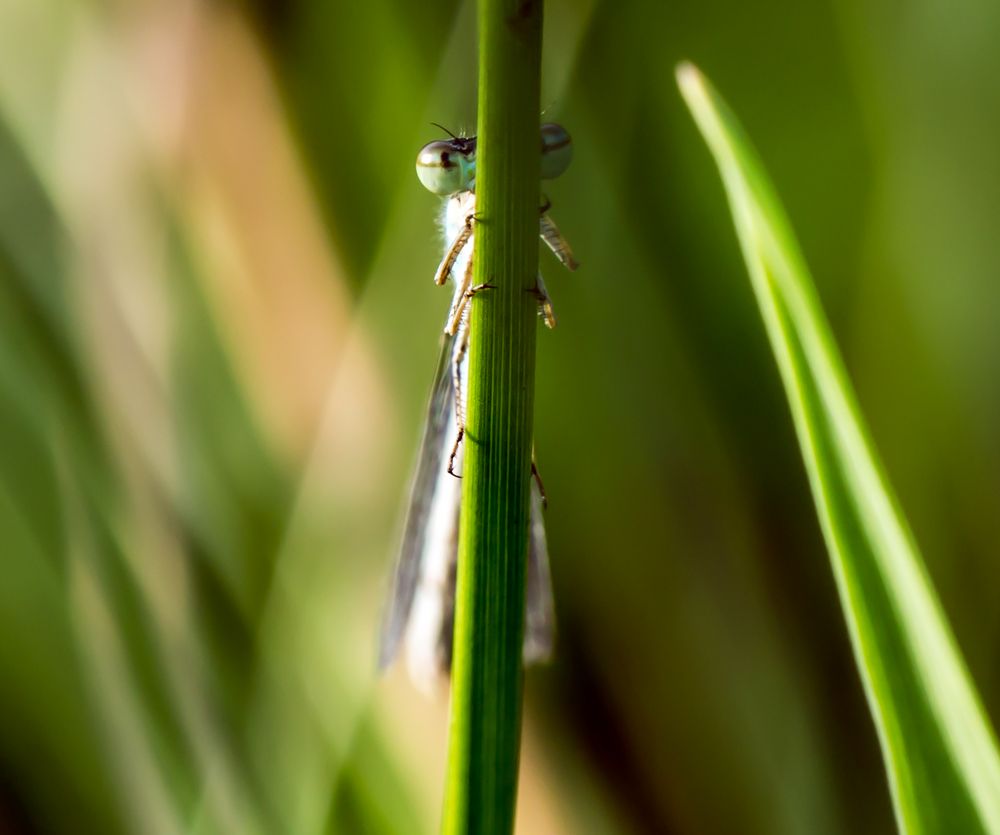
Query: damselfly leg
{"x": 557, "y": 243}
{"x": 544, "y": 302}
{"x": 455, "y": 250}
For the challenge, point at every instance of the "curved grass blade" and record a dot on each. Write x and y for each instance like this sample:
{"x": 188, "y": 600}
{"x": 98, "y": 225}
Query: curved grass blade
{"x": 939, "y": 748}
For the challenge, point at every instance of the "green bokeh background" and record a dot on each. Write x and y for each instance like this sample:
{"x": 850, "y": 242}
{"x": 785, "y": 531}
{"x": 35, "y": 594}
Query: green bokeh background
{"x": 217, "y": 329}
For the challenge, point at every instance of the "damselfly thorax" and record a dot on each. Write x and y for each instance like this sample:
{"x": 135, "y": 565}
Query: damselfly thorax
{"x": 422, "y": 601}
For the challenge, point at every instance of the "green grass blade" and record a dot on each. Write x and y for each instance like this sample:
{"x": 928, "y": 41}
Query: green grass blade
{"x": 489, "y": 618}
{"x": 939, "y": 748}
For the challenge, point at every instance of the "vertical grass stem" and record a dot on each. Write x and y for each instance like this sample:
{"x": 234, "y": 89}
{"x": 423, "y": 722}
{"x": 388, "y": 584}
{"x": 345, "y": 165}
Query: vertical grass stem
{"x": 484, "y": 739}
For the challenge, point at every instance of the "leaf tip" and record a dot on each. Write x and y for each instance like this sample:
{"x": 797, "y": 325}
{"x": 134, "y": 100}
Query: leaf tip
{"x": 689, "y": 79}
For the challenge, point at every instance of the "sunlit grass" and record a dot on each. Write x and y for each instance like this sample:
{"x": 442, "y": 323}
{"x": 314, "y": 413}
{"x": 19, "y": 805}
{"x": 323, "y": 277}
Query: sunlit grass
{"x": 940, "y": 750}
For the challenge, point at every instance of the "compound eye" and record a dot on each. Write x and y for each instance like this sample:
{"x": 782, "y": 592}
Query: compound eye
{"x": 442, "y": 168}
{"x": 557, "y": 150}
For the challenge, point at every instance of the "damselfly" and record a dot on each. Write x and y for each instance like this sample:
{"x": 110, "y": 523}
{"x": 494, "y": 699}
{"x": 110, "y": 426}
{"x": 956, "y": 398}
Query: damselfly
{"x": 422, "y": 600}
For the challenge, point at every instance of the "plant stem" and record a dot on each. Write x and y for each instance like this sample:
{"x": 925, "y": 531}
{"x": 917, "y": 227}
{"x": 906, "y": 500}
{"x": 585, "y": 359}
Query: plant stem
{"x": 481, "y": 788}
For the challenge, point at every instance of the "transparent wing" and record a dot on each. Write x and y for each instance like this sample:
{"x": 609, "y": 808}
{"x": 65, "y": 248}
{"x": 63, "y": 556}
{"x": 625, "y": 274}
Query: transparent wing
{"x": 539, "y": 627}
{"x": 539, "y": 614}
{"x": 430, "y": 463}
{"x": 539, "y": 617}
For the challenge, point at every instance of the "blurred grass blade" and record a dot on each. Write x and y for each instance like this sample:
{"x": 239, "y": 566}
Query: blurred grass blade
{"x": 939, "y": 748}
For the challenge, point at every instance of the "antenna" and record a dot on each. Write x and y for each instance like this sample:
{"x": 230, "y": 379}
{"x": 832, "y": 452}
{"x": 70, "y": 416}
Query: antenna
{"x": 445, "y": 130}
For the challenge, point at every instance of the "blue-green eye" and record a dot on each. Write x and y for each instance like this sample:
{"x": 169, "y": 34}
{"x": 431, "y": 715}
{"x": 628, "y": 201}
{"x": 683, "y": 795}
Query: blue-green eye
{"x": 447, "y": 166}
{"x": 557, "y": 150}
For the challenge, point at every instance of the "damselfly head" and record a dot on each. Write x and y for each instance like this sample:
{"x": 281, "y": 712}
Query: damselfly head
{"x": 447, "y": 166}
{"x": 557, "y": 150}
